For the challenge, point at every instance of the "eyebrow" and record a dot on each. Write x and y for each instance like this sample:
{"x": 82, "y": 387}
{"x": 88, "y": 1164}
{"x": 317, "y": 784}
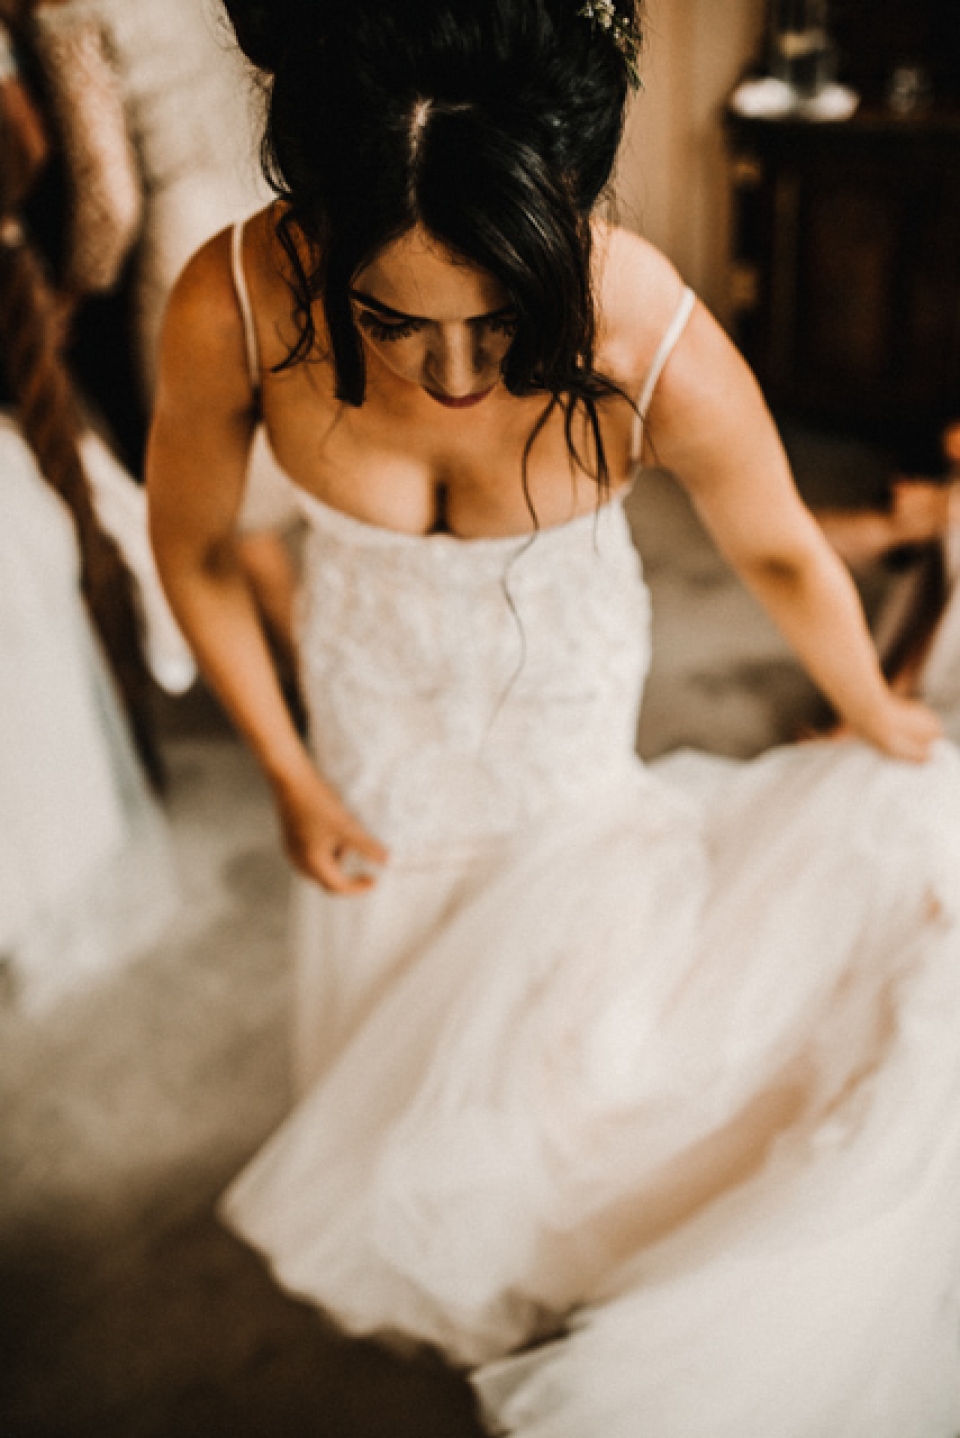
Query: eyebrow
{"x": 370, "y": 303}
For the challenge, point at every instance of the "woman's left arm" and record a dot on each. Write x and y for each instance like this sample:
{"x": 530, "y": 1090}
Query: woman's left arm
{"x": 709, "y": 424}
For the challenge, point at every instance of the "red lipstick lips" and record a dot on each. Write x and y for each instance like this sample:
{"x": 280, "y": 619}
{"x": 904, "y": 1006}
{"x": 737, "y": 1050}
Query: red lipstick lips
{"x": 462, "y": 401}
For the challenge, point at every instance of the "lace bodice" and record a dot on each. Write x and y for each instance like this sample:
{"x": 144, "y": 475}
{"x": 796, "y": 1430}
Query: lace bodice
{"x": 460, "y": 688}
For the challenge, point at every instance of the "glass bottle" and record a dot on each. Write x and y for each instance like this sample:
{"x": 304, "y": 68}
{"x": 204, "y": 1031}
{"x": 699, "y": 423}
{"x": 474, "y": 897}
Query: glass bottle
{"x": 802, "y": 54}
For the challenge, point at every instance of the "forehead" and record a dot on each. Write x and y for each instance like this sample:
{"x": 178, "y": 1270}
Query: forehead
{"x": 417, "y": 276}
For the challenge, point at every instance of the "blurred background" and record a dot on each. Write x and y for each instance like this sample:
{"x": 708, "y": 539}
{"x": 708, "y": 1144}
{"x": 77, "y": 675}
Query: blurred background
{"x": 800, "y": 163}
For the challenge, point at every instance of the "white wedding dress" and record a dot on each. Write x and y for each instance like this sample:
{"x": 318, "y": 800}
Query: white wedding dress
{"x": 651, "y": 1073}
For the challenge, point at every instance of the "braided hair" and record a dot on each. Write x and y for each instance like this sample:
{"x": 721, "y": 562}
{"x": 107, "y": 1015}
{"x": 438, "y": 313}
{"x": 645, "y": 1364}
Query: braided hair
{"x": 44, "y": 400}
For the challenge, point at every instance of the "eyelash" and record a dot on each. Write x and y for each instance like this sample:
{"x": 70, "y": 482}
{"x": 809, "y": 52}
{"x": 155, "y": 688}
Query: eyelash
{"x": 502, "y": 325}
{"x": 379, "y": 330}
{"x": 386, "y": 333}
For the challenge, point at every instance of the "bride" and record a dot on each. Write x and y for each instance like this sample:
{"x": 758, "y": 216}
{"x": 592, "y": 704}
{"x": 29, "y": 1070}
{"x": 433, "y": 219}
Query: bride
{"x": 634, "y": 1090}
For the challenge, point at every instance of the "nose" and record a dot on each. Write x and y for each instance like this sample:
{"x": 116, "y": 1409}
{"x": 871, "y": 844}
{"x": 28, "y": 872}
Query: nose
{"x": 454, "y": 364}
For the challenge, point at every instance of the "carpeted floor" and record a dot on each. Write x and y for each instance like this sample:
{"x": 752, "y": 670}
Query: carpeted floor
{"x": 125, "y": 1310}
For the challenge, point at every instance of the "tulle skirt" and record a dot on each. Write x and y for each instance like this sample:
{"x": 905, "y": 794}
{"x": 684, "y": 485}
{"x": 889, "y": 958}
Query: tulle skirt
{"x": 664, "y": 1093}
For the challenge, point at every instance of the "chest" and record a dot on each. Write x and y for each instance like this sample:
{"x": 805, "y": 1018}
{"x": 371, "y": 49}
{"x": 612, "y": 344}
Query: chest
{"x": 473, "y": 473}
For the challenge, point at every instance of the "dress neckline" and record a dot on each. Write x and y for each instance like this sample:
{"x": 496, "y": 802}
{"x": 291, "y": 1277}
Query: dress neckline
{"x": 351, "y": 527}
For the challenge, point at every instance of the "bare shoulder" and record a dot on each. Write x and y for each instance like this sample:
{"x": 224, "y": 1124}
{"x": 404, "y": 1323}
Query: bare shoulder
{"x": 640, "y": 291}
{"x": 202, "y": 336}
{"x": 638, "y": 294}
{"x": 205, "y": 408}
{"x": 203, "y": 333}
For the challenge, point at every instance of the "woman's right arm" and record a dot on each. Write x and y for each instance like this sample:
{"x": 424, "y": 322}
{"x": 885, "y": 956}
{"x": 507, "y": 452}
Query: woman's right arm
{"x": 200, "y": 438}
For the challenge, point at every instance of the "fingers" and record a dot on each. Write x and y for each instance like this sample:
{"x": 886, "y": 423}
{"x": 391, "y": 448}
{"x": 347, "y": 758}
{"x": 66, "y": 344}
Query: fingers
{"x": 324, "y": 841}
{"x": 358, "y": 841}
{"x": 340, "y": 872}
{"x": 336, "y": 869}
{"x": 355, "y": 860}
{"x": 342, "y": 863}
{"x": 922, "y": 744}
{"x": 911, "y": 750}
{"x": 911, "y": 732}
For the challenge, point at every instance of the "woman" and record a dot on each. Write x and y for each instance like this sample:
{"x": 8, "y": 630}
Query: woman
{"x": 578, "y": 1044}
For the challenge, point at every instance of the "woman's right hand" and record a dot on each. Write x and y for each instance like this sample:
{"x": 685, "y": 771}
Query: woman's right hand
{"x": 322, "y": 839}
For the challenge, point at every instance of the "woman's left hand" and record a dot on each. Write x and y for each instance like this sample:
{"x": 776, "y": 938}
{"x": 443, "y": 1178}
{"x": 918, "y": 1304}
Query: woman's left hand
{"x": 903, "y": 728}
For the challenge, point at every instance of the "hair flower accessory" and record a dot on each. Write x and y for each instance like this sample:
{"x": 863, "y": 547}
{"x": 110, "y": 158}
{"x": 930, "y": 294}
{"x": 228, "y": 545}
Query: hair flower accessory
{"x": 622, "y": 31}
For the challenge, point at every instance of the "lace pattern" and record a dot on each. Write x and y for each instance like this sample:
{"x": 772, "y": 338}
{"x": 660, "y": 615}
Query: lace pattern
{"x": 459, "y": 689}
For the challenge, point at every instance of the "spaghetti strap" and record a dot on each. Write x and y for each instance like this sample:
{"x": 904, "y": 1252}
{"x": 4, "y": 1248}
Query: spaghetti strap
{"x": 664, "y": 350}
{"x": 246, "y": 309}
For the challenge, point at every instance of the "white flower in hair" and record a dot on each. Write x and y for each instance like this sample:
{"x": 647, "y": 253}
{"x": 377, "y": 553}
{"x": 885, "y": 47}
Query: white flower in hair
{"x": 622, "y": 31}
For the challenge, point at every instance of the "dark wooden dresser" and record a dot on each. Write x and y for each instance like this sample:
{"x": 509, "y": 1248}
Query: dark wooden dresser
{"x": 845, "y": 279}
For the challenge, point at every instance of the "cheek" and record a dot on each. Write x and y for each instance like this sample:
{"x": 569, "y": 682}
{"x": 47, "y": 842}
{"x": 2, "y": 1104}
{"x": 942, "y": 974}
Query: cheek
{"x": 496, "y": 348}
{"x": 404, "y": 357}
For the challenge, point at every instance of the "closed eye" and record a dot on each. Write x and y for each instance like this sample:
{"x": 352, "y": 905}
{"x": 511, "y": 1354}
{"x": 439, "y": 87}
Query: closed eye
{"x": 385, "y": 330}
{"x": 504, "y": 322}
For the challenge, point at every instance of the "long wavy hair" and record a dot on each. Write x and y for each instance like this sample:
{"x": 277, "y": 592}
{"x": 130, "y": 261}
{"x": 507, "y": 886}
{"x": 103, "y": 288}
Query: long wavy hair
{"x": 492, "y": 124}
{"x": 41, "y": 390}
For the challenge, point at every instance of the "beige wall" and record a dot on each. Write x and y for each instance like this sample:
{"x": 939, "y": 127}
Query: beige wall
{"x": 672, "y": 180}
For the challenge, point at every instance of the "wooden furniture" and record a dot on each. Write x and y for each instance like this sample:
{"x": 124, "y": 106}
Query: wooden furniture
{"x": 846, "y": 270}
{"x": 874, "y": 37}
{"x": 845, "y": 282}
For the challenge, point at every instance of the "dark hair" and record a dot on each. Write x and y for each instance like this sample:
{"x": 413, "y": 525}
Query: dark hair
{"x": 493, "y": 124}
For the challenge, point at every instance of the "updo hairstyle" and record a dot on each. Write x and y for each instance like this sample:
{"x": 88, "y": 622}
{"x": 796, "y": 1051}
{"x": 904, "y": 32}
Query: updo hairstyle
{"x": 493, "y": 124}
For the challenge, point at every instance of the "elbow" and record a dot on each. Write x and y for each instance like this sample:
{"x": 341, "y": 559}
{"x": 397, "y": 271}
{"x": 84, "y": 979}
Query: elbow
{"x": 783, "y": 571}
{"x": 218, "y": 559}
{"x": 184, "y": 558}
{"x": 787, "y": 571}
{"x": 792, "y": 572}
